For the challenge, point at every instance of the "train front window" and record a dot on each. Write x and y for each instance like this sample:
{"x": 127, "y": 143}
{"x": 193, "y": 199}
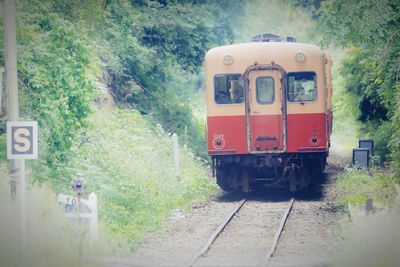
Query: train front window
{"x": 302, "y": 86}
{"x": 228, "y": 89}
{"x": 265, "y": 90}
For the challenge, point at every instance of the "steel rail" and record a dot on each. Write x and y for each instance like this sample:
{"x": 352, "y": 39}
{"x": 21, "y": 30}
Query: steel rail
{"x": 217, "y": 232}
{"x": 279, "y": 232}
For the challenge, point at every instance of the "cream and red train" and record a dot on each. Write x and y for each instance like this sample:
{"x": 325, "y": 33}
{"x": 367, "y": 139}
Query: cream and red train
{"x": 269, "y": 116}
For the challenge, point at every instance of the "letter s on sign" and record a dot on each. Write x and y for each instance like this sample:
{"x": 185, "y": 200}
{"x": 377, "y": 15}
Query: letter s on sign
{"x": 22, "y": 142}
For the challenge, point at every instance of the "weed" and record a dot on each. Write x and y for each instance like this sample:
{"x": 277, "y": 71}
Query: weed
{"x": 129, "y": 163}
{"x": 358, "y": 185}
{"x": 51, "y": 238}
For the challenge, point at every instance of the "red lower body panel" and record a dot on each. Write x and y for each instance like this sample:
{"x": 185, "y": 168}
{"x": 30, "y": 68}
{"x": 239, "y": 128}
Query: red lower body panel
{"x": 266, "y": 132}
{"x": 306, "y": 132}
{"x": 227, "y": 135}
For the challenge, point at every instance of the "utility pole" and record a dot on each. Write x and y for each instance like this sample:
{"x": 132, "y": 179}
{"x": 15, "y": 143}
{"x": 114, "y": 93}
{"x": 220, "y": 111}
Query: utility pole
{"x": 1, "y": 90}
{"x": 17, "y": 166}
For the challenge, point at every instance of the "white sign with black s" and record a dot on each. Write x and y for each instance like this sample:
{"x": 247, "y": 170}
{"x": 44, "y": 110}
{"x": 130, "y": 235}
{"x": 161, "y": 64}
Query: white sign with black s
{"x": 22, "y": 140}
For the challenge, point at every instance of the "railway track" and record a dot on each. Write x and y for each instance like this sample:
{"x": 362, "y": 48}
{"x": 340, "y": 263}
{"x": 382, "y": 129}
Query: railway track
{"x": 234, "y": 227}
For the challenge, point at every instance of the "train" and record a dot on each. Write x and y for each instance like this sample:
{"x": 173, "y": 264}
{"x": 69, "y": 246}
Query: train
{"x": 269, "y": 113}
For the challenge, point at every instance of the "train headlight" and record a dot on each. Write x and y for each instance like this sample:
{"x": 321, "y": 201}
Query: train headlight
{"x": 314, "y": 141}
{"x": 218, "y": 141}
{"x": 300, "y": 57}
{"x": 228, "y": 60}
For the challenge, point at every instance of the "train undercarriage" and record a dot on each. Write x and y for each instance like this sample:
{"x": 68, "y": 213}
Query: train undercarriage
{"x": 294, "y": 171}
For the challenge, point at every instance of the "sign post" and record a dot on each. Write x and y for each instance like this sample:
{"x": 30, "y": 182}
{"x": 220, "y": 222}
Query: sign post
{"x": 21, "y": 145}
{"x": 17, "y": 166}
{"x": 78, "y": 185}
{"x": 10, "y": 58}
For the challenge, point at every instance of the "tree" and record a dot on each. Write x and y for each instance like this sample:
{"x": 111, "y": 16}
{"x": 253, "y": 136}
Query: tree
{"x": 372, "y": 68}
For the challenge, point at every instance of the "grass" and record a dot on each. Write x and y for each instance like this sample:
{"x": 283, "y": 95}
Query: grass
{"x": 51, "y": 239}
{"x": 371, "y": 240}
{"x": 3, "y": 148}
{"x": 129, "y": 163}
{"x": 359, "y": 185}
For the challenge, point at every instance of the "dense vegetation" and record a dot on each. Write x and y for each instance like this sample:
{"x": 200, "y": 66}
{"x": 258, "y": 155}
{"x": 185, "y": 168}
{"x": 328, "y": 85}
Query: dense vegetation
{"x": 148, "y": 56}
{"x": 148, "y": 52}
{"x": 372, "y": 67}
{"x": 370, "y": 31}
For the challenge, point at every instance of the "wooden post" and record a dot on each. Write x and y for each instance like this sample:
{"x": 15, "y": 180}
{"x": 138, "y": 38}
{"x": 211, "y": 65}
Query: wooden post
{"x": 369, "y": 205}
{"x": 94, "y": 224}
{"x": 175, "y": 147}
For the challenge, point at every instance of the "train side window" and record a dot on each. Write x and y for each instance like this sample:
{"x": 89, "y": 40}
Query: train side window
{"x": 265, "y": 90}
{"x": 302, "y": 86}
{"x": 228, "y": 88}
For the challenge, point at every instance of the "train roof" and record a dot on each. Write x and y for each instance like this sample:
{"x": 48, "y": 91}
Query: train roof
{"x": 254, "y": 49}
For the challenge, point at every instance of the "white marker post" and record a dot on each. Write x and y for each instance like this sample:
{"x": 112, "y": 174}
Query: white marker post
{"x": 89, "y": 204}
{"x": 94, "y": 221}
{"x": 175, "y": 147}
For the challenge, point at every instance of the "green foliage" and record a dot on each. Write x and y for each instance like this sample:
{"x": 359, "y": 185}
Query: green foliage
{"x": 150, "y": 53}
{"x": 381, "y": 135}
{"x": 358, "y": 185}
{"x": 53, "y": 64}
{"x": 371, "y": 70}
{"x": 186, "y": 38}
{"x": 129, "y": 163}
{"x": 360, "y": 73}
{"x": 50, "y": 235}
{"x": 87, "y": 10}
{"x": 394, "y": 142}
{"x": 3, "y": 148}
{"x": 368, "y": 24}
{"x": 154, "y": 45}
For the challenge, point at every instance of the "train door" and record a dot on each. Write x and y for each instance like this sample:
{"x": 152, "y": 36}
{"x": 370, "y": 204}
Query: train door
{"x": 266, "y": 112}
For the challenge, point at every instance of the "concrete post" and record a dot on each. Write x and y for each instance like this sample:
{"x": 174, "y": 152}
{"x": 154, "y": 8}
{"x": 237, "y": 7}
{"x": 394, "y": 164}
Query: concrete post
{"x": 94, "y": 223}
{"x": 1, "y": 90}
{"x": 175, "y": 147}
{"x": 17, "y": 167}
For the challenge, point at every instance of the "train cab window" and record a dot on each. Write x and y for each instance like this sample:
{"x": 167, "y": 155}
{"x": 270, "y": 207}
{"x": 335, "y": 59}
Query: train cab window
{"x": 228, "y": 88}
{"x": 302, "y": 86}
{"x": 265, "y": 90}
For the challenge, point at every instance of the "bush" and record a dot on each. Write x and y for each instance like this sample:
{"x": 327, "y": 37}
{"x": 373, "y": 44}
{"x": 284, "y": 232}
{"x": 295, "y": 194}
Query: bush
{"x": 358, "y": 185}
{"x": 129, "y": 164}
